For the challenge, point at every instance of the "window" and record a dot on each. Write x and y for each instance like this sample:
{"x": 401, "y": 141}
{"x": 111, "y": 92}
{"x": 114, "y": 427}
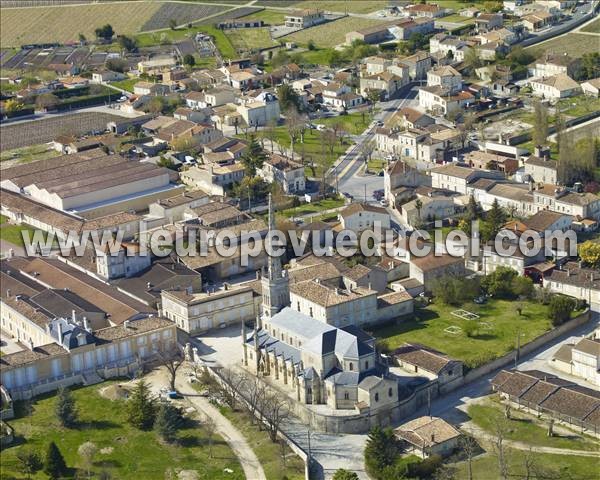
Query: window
{"x": 346, "y": 396}
{"x": 367, "y": 365}
{"x": 309, "y": 391}
{"x": 450, "y": 372}
{"x": 377, "y": 397}
{"x": 351, "y": 366}
{"x": 390, "y": 392}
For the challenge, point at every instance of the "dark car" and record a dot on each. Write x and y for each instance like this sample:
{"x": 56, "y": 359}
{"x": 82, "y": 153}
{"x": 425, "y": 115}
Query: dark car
{"x": 378, "y": 194}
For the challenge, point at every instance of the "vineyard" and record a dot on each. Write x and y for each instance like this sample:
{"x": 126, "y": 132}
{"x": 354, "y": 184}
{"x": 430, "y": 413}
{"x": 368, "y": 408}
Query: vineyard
{"x": 20, "y": 26}
{"x": 354, "y": 6}
{"x": 249, "y": 39}
{"x": 43, "y": 131}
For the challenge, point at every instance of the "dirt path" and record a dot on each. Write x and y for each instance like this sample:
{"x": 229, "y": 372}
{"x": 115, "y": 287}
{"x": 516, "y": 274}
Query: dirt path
{"x": 252, "y": 467}
{"x": 483, "y": 435}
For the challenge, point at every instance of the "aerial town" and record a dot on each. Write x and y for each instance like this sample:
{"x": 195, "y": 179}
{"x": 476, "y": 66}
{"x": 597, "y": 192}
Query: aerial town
{"x": 300, "y": 239}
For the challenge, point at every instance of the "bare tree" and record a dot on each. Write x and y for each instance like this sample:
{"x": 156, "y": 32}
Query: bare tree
{"x": 276, "y": 409}
{"x": 256, "y": 391}
{"x": 210, "y": 427}
{"x": 172, "y": 359}
{"x": 529, "y": 462}
{"x": 367, "y": 149}
{"x": 295, "y": 124}
{"x": 469, "y": 446}
{"x": 233, "y": 383}
{"x": 500, "y": 429}
{"x": 269, "y": 132}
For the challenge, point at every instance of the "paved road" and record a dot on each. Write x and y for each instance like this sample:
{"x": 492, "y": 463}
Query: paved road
{"x": 347, "y": 173}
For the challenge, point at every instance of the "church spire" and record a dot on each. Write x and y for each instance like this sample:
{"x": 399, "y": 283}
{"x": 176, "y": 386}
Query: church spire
{"x": 274, "y": 262}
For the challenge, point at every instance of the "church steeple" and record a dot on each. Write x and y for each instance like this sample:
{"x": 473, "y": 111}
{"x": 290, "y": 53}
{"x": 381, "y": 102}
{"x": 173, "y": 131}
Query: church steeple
{"x": 275, "y": 284}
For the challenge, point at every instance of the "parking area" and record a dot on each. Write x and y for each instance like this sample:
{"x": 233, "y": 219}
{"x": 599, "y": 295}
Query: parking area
{"x": 220, "y": 347}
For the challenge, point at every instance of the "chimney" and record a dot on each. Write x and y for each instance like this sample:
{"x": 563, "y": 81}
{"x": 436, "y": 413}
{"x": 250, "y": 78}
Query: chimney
{"x": 148, "y": 286}
{"x": 126, "y": 324}
{"x": 74, "y": 316}
{"x": 337, "y": 291}
{"x": 59, "y": 332}
{"x": 8, "y": 292}
{"x": 86, "y": 325}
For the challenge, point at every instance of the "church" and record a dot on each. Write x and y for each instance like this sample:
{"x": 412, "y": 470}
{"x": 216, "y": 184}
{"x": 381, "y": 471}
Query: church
{"x": 315, "y": 362}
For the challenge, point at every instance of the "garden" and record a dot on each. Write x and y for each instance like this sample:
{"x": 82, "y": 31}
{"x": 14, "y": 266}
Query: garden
{"x": 477, "y": 322}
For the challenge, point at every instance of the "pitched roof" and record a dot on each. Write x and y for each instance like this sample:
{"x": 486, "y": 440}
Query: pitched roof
{"x": 543, "y": 220}
{"x": 426, "y": 432}
{"x": 423, "y": 357}
{"x": 560, "y": 81}
{"x": 354, "y": 208}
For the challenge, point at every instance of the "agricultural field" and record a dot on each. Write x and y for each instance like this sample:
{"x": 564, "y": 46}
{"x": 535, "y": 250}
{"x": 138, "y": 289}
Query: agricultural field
{"x": 270, "y": 17}
{"x": 593, "y": 27}
{"x": 124, "y": 452}
{"x": 19, "y": 26}
{"x": 182, "y": 13}
{"x": 27, "y": 154}
{"x": 331, "y": 33}
{"x": 250, "y": 39}
{"x": 573, "y": 44}
{"x": 498, "y": 327}
{"x": 351, "y": 6}
{"x": 45, "y": 130}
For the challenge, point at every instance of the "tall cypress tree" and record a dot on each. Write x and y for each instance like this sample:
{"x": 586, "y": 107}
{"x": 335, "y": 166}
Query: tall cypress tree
{"x": 168, "y": 421}
{"x": 54, "y": 463}
{"x": 65, "y": 408}
{"x": 141, "y": 407}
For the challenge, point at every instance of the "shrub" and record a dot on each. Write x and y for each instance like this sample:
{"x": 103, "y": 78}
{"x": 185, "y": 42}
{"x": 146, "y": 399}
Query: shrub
{"x": 560, "y": 309}
{"x": 343, "y": 474}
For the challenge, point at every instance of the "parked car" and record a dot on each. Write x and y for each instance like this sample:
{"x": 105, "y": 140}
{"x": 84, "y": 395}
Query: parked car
{"x": 378, "y": 194}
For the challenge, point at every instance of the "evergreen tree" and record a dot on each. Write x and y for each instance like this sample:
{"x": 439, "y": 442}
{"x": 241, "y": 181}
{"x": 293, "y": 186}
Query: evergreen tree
{"x": 54, "y": 463}
{"x": 65, "y": 408}
{"x": 168, "y": 421}
{"x": 254, "y": 157}
{"x": 381, "y": 450}
{"x": 540, "y": 123}
{"x": 30, "y": 461}
{"x": 141, "y": 407}
{"x": 496, "y": 218}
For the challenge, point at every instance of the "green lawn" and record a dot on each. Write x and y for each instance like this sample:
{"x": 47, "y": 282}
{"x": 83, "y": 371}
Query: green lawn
{"x": 522, "y": 428}
{"x": 593, "y": 27}
{"x": 428, "y": 324}
{"x": 353, "y": 123}
{"x": 29, "y": 154}
{"x": 319, "y": 56}
{"x": 270, "y": 17}
{"x": 567, "y": 467}
{"x": 376, "y": 164}
{"x": 124, "y": 452}
{"x": 456, "y": 18}
{"x": 268, "y": 453}
{"x": 126, "y": 84}
{"x": 13, "y": 233}
{"x": 248, "y": 39}
{"x": 313, "y": 207}
{"x": 579, "y": 105}
{"x": 314, "y": 150}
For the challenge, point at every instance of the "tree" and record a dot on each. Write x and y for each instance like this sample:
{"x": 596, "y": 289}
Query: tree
{"x": 54, "y": 463}
{"x": 381, "y": 450}
{"x": 469, "y": 446}
{"x": 500, "y": 430}
{"x": 168, "y": 422}
{"x": 155, "y": 105}
{"x": 540, "y": 123}
{"x": 127, "y": 43}
{"x": 172, "y": 24}
{"x": 419, "y": 207}
{"x": 141, "y": 407}
{"x": 288, "y": 98}
{"x": 499, "y": 283}
{"x": 254, "y": 157}
{"x": 45, "y": 101}
{"x": 590, "y": 66}
{"x": 105, "y": 33}
{"x": 343, "y": 474}
{"x": 472, "y": 58}
{"x": 189, "y": 60}
{"x": 311, "y": 45}
{"x": 87, "y": 451}
{"x": 589, "y": 252}
{"x": 172, "y": 359}
{"x": 276, "y": 409}
{"x": 560, "y": 309}
{"x": 117, "y": 65}
{"x": 495, "y": 220}
{"x": 522, "y": 287}
{"x": 12, "y": 105}
{"x": 65, "y": 408}
{"x": 82, "y": 39}
{"x": 30, "y": 461}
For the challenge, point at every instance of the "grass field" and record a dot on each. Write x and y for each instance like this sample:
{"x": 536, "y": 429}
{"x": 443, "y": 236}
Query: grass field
{"x": 313, "y": 207}
{"x": 270, "y": 17}
{"x": 312, "y": 149}
{"x": 248, "y": 39}
{"x": 566, "y": 466}
{"x": 573, "y": 44}
{"x": 129, "y": 453}
{"x": 427, "y": 327}
{"x": 593, "y": 27}
{"x": 350, "y": 6}
{"x": 126, "y": 84}
{"x": 268, "y": 453}
{"x": 353, "y": 123}
{"x": 28, "y": 154}
{"x": 522, "y": 428}
{"x": 331, "y": 33}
